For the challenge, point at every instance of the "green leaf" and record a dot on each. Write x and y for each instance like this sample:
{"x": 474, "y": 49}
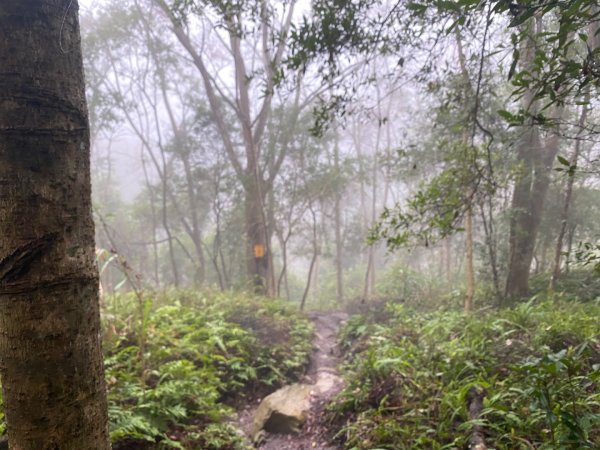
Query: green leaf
{"x": 525, "y": 14}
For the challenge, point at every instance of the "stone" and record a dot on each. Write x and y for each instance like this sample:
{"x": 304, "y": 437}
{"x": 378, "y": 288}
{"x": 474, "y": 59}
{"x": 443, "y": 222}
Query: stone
{"x": 327, "y": 382}
{"x": 284, "y": 411}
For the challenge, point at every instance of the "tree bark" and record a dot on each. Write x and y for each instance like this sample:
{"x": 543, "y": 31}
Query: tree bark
{"x": 529, "y": 197}
{"x": 178, "y": 129}
{"x": 475, "y": 398}
{"x": 50, "y": 353}
{"x": 313, "y": 262}
{"x": 194, "y": 229}
{"x": 469, "y": 261}
{"x": 448, "y": 260}
{"x": 469, "y": 267}
{"x": 259, "y": 259}
{"x": 521, "y": 226}
{"x": 531, "y": 186}
{"x": 218, "y": 256}
{"x": 568, "y": 196}
{"x": 339, "y": 245}
{"x": 152, "y": 200}
{"x": 570, "y": 236}
{"x": 490, "y": 241}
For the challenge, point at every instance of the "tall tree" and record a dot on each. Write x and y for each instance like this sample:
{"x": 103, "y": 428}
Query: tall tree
{"x": 265, "y": 26}
{"x": 50, "y": 353}
{"x": 535, "y": 155}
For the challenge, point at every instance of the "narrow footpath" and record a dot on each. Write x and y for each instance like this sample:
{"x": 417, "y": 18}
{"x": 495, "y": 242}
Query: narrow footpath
{"x": 323, "y": 377}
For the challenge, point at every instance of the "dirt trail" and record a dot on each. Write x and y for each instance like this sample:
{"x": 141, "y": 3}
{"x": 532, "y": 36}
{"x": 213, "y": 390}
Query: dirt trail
{"x": 322, "y": 373}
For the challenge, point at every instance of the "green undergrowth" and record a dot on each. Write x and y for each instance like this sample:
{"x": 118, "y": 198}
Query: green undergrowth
{"x": 578, "y": 284}
{"x": 175, "y": 376}
{"x": 411, "y": 377}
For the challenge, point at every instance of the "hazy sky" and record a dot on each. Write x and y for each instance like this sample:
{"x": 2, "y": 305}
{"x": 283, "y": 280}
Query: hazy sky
{"x": 83, "y": 4}
{"x": 125, "y": 156}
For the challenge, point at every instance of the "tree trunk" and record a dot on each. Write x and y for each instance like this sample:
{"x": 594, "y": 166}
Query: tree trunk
{"x": 531, "y": 187}
{"x": 259, "y": 258}
{"x": 357, "y": 141}
{"x": 448, "y": 260}
{"x": 469, "y": 262}
{"x": 468, "y": 306}
{"x": 523, "y": 222}
{"x": 152, "y": 199}
{"x": 529, "y": 196}
{"x": 369, "y": 285}
{"x": 283, "y": 275}
{"x": 313, "y": 262}
{"x": 568, "y": 196}
{"x": 218, "y": 255}
{"x": 165, "y": 222}
{"x": 490, "y": 241}
{"x": 50, "y": 353}
{"x": 339, "y": 245}
{"x": 194, "y": 230}
{"x": 475, "y": 398}
{"x": 570, "y": 237}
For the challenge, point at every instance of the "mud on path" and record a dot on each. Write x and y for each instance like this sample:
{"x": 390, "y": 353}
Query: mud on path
{"x": 322, "y": 373}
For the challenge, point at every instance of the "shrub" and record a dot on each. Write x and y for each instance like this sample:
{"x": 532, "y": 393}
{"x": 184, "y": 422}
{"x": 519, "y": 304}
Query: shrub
{"x": 409, "y": 378}
{"x": 174, "y": 373}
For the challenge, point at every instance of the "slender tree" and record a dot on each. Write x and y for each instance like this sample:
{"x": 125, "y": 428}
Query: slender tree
{"x": 50, "y": 353}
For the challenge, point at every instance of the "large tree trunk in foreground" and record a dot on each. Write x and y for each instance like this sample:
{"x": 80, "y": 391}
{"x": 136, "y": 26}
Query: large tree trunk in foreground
{"x": 50, "y": 354}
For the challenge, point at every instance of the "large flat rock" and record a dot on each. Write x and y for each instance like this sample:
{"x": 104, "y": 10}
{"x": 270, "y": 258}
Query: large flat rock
{"x": 284, "y": 411}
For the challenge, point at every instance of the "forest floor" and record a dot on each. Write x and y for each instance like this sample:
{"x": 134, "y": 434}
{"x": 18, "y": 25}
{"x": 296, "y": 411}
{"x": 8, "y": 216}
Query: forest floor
{"x": 323, "y": 374}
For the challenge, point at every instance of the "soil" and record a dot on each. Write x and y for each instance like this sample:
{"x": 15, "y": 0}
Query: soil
{"x": 322, "y": 373}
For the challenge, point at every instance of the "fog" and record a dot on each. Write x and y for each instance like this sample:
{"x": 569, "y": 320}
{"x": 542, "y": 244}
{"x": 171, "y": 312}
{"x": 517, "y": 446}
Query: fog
{"x": 227, "y": 155}
{"x": 335, "y": 225}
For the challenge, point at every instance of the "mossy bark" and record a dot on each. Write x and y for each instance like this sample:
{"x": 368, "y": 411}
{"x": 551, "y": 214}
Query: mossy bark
{"x": 50, "y": 352}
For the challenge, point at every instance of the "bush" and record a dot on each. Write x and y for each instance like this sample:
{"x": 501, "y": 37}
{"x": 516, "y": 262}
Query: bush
{"x": 583, "y": 285}
{"x": 409, "y": 378}
{"x": 174, "y": 375}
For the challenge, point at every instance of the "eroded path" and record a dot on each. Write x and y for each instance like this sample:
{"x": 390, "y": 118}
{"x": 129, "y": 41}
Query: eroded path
{"x": 323, "y": 377}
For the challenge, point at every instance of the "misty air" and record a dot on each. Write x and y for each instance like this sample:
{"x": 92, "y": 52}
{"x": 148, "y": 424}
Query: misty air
{"x": 299, "y": 225}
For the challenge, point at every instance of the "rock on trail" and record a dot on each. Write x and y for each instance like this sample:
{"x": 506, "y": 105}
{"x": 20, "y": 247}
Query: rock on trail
{"x": 288, "y": 419}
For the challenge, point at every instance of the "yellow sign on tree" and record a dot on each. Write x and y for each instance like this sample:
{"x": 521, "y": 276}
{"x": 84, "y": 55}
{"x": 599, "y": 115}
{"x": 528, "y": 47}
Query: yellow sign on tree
{"x": 259, "y": 251}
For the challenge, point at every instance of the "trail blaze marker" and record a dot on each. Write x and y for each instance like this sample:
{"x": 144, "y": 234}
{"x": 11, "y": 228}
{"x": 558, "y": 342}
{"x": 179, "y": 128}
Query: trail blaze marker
{"x": 259, "y": 251}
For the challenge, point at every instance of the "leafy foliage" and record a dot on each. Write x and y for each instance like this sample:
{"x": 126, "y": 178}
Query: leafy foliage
{"x": 580, "y": 284}
{"x": 589, "y": 254}
{"x": 434, "y": 212}
{"x": 202, "y": 353}
{"x": 409, "y": 376}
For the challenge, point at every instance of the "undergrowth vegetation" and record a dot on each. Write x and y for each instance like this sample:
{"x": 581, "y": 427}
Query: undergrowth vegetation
{"x": 583, "y": 285}
{"x": 411, "y": 377}
{"x": 176, "y": 364}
